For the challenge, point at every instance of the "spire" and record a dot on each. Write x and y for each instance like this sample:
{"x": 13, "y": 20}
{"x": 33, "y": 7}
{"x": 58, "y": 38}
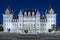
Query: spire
{"x": 49, "y": 8}
{"x": 9, "y": 8}
{"x": 37, "y": 12}
{"x": 20, "y": 12}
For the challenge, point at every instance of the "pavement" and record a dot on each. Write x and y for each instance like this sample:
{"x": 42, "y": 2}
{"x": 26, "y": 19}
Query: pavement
{"x": 18, "y": 36}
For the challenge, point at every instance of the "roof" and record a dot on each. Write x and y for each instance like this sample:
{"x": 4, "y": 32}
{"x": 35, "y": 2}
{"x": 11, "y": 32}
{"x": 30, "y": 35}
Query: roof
{"x": 9, "y": 10}
{"x": 43, "y": 17}
{"x": 15, "y": 17}
{"x": 50, "y": 10}
{"x": 29, "y": 10}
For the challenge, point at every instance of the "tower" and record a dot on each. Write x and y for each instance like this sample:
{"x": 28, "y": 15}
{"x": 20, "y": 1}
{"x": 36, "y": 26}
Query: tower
{"x": 7, "y": 18}
{"x": 20, "y": 23}
{"x": 51, "y": 19}
{"x": 37, "y": 22}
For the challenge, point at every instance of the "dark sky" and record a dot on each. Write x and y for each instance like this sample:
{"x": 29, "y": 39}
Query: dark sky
{"x": 41, "y": 5}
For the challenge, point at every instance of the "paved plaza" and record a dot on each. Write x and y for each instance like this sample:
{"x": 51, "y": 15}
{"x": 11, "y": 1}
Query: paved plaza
{"x": 17, "y": 36}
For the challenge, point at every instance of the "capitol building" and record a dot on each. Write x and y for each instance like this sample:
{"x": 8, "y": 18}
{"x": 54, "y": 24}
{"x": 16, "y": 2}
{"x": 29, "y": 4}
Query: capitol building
{"x": 29, "y": 21}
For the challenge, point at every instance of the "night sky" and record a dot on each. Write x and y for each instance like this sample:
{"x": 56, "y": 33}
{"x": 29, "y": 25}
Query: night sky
{"x": 41, "y": 5}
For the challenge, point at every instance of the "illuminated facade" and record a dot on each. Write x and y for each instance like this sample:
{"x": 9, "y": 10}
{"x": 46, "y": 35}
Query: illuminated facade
{"x": 29, "y": 21}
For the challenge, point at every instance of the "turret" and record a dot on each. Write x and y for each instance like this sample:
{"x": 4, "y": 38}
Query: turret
{"x": 8, "y": 14}
{"x": 7, "y": 18}
{"x": 51, "y": 17}
{"x": 20, "y": 23}
{"x": 25, "y": 13}
{"x": 38, "y": 21}
{"x": 37, "y": 13}
{"x": 20, "y": 13}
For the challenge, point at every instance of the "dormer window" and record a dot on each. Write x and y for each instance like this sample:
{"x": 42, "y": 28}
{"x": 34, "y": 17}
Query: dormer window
{"x": 33, "y": 13}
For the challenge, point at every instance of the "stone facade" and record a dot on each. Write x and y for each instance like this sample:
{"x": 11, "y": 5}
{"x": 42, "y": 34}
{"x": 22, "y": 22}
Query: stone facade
{"x": 29, "y": 21}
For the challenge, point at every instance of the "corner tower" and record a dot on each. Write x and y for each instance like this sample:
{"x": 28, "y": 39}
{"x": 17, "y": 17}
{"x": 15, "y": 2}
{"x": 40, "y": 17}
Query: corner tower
{"x": 7, "y": 18}
{"x": 51, "y": 19}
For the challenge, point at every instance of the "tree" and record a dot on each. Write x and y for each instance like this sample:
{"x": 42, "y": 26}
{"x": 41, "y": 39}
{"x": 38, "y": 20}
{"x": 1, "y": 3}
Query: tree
{"x": 53, "y": 27}
{"x": 1, "y": 28}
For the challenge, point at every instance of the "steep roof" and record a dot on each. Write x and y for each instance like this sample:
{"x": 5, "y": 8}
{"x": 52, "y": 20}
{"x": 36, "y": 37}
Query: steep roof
{"x": 9, "y": 10}
{"x": 50, "y": 10}
{"x": 29, "y": 10}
